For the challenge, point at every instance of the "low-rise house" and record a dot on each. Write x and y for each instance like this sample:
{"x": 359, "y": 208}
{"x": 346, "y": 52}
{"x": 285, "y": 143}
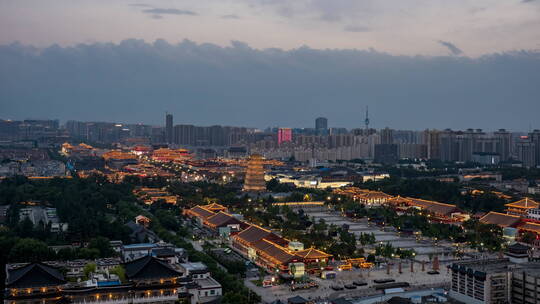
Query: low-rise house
{"x": 207, "y": 289}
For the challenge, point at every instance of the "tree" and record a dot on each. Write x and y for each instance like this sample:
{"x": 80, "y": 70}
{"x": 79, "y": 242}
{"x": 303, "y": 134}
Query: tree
{"x": 88, "y": 269}
{"x": 120, "y": 272}
{"x": 29, "y": 250}
{"x": 528, "y": 237}
{"x": 103, "y": 245}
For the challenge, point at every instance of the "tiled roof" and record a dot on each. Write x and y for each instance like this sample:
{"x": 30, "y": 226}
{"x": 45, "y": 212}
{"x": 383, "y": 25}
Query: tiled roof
{"x": 34, "y": 275}
{"x": 434, "y": 207}
{"x": 215, "y": 206}
{"x": 312, "y": 253}
{"x": 255, "y": 233}
{"x": 273, "y": 251}
{"x": 524, "y": 203}
{"x": 398, "y": 200}
{"x": 220, "y": 219}
{"x": 149, "y": 268}
{"x": 376, "y": 194}
{"x": 500, "y": 219}
{"x": 533, "y": 227}
{"x": 201, "y": 212}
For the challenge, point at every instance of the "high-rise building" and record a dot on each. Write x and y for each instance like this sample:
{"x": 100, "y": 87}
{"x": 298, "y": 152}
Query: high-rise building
{"x": 503, "y": 144}
{"x": 386, "y": 153}
{"x": 431, "y": 139}
{"x": 535, "y": 139}
{"x": 321, "y": 125}
{"x": 254, "y": 180}
{"x": 387, "y": 136}
{"x": 284, "y": 135}
{"x": 525, "y": 151}
{"x": 169, "y": 137}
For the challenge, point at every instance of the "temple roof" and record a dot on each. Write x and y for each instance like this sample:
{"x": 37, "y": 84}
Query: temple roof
{"x": 500, "y": 219}
{"x": 312, "y": 253}
{"x": 34, "y": 275}
{"x": 399, "y": 200}
{"x": 255, "y": 233}
{"x": 375, "y": 194}
{"x": 221, "y": 219}
{"x": 525, "y": 203}
{"x": 214, "y": 207}
{"x": 149, "y": 267}
{"x": 532, "y": 227}
{"x": 201, "y": 212}
{"x": 274, "y": 251}
{"x": 518, "y": 248}
{"x": 434, "y": 207}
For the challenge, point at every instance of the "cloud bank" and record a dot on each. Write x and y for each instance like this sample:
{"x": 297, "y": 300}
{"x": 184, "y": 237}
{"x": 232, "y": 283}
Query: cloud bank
{"x": 134, "y": 81}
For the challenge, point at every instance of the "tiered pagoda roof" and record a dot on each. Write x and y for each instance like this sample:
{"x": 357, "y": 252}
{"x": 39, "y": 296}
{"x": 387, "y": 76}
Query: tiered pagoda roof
{"x": 312, "y": 254}
{"x": 254, "y": 180}
{"x": 525, "y": 203}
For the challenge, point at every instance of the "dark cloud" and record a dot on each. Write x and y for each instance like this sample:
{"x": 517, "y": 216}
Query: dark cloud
{"x": 231, "y": 16}
{"x": 134, "y": 81}
{"x": 168, "y": 11}
{"x": 527, "y": 1}
{"x": 451, "y": 47}
{"x": 357, "y": 29}
{"x": 156, "y": 16}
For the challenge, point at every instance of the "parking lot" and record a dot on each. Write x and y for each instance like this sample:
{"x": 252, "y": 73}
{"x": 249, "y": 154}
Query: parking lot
{"x": 417, "y": 280}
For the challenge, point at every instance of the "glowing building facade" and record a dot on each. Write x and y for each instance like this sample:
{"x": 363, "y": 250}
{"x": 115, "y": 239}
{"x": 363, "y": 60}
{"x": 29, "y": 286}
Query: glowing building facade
{"x": 284, "y": 135}
{"x": 254, "y": 180}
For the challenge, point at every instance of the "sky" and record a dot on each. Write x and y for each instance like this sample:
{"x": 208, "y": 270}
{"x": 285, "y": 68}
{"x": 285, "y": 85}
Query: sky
{"x": 415, "y": 63}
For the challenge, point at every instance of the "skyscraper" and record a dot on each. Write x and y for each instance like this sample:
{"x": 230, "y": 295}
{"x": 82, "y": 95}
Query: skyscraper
{"x": 321, "y": 125}
{"x": 535, "y": 139}
{"x": 525, "y": 151}
{"x": 432, "y": 141}
{"x": 254, "y": 180}
{"x": 503, "y": 144}
{"x": 169, "y": 128}
{"x": 387, "y": 136}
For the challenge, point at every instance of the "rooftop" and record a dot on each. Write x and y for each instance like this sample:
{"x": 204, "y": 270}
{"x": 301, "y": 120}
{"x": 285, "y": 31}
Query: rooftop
{"x": 487, "y": 266}
{"x": 525, "y": 203}
{"x": 194, "y": 266}
{"x": 500, "y": 219}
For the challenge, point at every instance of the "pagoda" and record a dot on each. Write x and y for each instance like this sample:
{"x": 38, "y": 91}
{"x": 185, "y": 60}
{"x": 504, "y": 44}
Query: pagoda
{"x": 254, "y": 180}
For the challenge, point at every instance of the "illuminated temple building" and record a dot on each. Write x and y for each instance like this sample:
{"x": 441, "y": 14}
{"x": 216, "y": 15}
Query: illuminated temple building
{"x": 262, "y": 246}
{"x": 147, "y": 280}
{"x": 521, "y": 207}
{"x": 254, "y": 180}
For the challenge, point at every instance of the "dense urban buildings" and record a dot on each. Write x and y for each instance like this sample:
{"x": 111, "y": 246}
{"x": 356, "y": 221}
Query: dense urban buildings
{"x": 303, "y": 144}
